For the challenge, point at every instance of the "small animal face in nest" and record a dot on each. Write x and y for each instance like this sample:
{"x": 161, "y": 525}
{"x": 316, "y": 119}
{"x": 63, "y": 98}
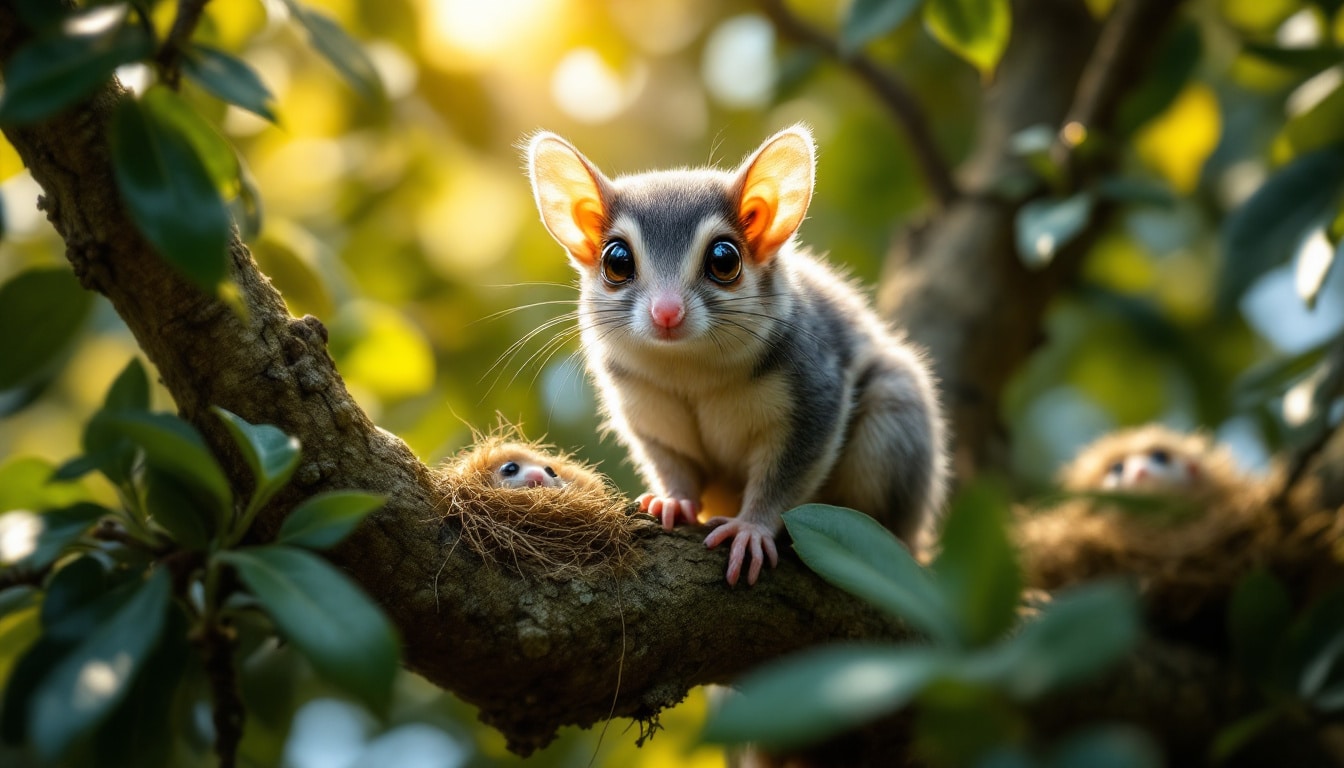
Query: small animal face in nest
{"x": 1153, "y": 470}
{"x": 526, "y": 474}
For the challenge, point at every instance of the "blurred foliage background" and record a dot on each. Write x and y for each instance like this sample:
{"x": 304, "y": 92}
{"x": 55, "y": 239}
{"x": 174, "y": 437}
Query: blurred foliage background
{"x": 407, "y": 227}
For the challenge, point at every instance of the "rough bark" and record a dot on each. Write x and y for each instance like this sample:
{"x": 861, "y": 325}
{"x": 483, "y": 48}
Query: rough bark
{"x": 537, "y": 654}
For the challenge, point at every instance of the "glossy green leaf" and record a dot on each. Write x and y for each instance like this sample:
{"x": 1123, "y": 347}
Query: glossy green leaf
{"x": 1081, "y": 633}
{"x": 33, "y": 540}
{"x": 325, "y": 616}
{"x": 139, "y": 731}
{"x": 325, "y": 519}
{"x": 104, "y": 448}
{"x": 805, "y": 698}
{"x": 57, "y": 69}
{"x": 39, "y": 15}
{"x": 17, "y": 598}
{"x": 1301, "y": 58}
{"x": 1268, "y": 228}
{"x": 28, "y": 673}
{"x": 170, "y": 193}
{"x": 174, "y": 446}
{"x": 1231, "y": 739}
{"x": 1114, "y": 746}
{"x": 86, "y": 684}
{"x": 271, "y": 454}
{"x": 1177, "y": 56}
{"x": 337, "y": 47}
{"x": 1132, "y": 191}
{"x": 977, "y": 568}
{"x": 130, "y": 390}
{"x": 1045, "y": 226}
{"x": 868, "y": 20}
{"x": 229, "y": 79}
{"x": 169, "y": 109}
{"x": 82, "y": 595}
{"x": 41, "y": 313}
{"x": 26, "y": 483}
{"x": 185, "y": 512}
{"x": 1320, "y": 126}
{"x": 975, "y": 30}
{"x": 855, "y": 553}
{"x": 1271, "y": 378}
{"x": 1257, "y": 617}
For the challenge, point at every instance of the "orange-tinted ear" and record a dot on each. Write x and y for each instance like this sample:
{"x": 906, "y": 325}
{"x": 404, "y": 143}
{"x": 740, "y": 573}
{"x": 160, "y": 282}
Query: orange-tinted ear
{"x": 568, "y": 190}
{"x": 776, "y": 186}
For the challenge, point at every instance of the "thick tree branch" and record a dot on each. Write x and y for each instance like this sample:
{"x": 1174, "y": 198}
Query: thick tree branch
{"x": 957, "y": 285}
{"x": 888, "y": 88}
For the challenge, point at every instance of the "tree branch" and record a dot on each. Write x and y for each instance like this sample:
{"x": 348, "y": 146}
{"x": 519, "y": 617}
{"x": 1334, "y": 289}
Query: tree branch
{"x": 888, "y": 88}
{"x": 948, "y": 283}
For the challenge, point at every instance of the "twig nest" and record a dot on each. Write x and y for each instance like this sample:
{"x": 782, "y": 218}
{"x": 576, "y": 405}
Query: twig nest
{"x": 1186, "y": 538}
{"x": 537, "y": 511}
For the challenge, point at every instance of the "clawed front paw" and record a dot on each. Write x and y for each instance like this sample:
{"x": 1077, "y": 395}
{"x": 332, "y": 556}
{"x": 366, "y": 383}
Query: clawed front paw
{"x": 669, "y": 509}
{"x": 748, "y": 537}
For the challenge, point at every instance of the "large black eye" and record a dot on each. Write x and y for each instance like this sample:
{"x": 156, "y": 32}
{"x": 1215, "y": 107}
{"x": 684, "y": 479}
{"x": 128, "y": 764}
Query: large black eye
{"x": 723, "y": 263}
{"x": 510, "y": 469}
{"x": 1118, "y": 468}
{"x": 1160, "y": 457}
{"x": 618, "y": 263}
{"x": 551, "y": 472}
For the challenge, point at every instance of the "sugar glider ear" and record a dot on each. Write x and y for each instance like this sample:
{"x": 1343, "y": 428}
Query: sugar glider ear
{"x": 775, "y": 186}
{"x": 569, "y": 193}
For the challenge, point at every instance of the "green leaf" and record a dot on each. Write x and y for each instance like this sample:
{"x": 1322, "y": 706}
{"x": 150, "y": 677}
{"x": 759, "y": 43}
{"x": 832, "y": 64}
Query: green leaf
{"x": 870, "y": 19}
{"x": 338, "y": 48}
{"x": 82, "y": 595}
{"x": 807, "y": 697}
{"x": 325, "y": 616}
{"x": 25, "y": 483}
{"x": 29, "y": 672}
{"x": 130, "y": 390}
{"x": 1081, "y": 633}
{"x": 182, "y": 510}
{"x": 271, "y": 454}
{"x": 1044, "y": 226}
{"x": 140, "y": 731}
{"x": 855, "y": 553}
{"x": 325, "y": 519}
{"x": 1271, "y": 378}
{"x": 229, "y": 78}
{"x": 1268, "y": 228}
{"x": 93, "y": 678}
{"x": 173, "y": 446}
{"x": 32, "y": 541}
{"x": 1178, "y": 55}
{"x": 1257, "y": 616}
{"x": 56, "y": 70}
{"x": 975, "y": 30}
{"x": 167, "y": 108}
{"x": 41, "y": 313}
{"x": 1115, "y": 746}
{"x": 170, "y": 192}
{"x": 1231, "y": 739}
{"x": 1306, "y": 59}
{"x": 1319, "y": 126}
{"x": 1311, "y": 274}
{"x": 16, "y": 598}
{"x": 1131, "y": 191}
{"x": 977, "y": 568}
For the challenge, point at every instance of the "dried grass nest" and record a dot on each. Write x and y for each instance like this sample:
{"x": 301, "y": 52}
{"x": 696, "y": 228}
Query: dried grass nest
{"x": 559, "y": 533}
{"x": 1185, "y": 550}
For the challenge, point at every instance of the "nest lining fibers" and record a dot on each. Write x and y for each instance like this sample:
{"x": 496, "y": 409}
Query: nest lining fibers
{"x": 560, "y": 533}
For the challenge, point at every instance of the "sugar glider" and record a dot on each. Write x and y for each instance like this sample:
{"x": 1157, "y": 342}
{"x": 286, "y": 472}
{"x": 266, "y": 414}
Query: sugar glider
{"x": 724, "y": 353}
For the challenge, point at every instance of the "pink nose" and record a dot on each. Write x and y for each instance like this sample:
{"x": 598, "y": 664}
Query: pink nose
{"x": 667, "y": 311}
{"x": 534, "y": 478}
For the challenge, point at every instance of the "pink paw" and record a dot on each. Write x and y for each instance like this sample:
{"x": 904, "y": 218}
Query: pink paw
{"x": 747, "y": 536}
{"x": 668, "y": 509}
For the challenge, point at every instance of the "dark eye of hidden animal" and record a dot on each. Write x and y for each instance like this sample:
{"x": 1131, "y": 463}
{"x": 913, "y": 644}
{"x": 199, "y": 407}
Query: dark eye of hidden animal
{"x": 1160, "y": 456}
{"x": 618, "y": 263}
{"x": 510, "y": 469}
{"x": 1117, "y": 468}
{"x": 723, "y": 263}
{"x": 551, "y": 472}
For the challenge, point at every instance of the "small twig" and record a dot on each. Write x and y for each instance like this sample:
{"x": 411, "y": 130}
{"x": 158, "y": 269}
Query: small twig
{"x": 216, "y": 646}
{"x": 184, "y": 26}
{"x": 889, "y": 89}
{"x": 1131, "y": 28}
{"x": 1332, "y": 386}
